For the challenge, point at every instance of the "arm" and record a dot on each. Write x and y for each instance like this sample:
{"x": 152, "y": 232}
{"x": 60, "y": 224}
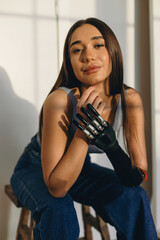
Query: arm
{"x": 136, "y": 136}
{"x": 135, "y": 165}
{"x": 130, "y": 174}
{"x": 61, "y": 167}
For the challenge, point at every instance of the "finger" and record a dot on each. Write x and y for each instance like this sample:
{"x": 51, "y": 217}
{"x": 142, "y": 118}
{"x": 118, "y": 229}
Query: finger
{"x": 93, "y": 110}
{"x": 97, "y": 101}
{"x": 89, "y": 126}
{"x": 91, "y": 98}
{"x": 94, "y": 122}
{"x": 83, "y": 110}
{"x": 87, "y": 133}
{"x": 85, "y": 95}
{"x": 101, "y": 108}
{"x": 98, "y": 116}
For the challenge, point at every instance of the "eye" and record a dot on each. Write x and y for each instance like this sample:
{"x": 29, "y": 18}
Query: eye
{"x": 99, "y": 45}
{"x": 77, "y": 50}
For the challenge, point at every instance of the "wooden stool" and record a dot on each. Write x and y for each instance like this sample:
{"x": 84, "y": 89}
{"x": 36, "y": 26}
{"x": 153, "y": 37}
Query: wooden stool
{"x": 96, "y": 222}
{"x": 26, "y": 222}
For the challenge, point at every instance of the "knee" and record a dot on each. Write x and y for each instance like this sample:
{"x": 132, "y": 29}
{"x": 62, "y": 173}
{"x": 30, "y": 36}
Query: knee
{"x": 58, "y": 205}
{"x": 140, "y": 193}
{"x": 57, "y": 218}
{"x": 136, "y": 196}
{"x": 62, "y": 203}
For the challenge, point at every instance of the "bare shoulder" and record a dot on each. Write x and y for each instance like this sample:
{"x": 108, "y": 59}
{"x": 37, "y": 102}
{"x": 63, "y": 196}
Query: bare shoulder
{"x": 133, "y": 98}
{"x": 57, "y": 99}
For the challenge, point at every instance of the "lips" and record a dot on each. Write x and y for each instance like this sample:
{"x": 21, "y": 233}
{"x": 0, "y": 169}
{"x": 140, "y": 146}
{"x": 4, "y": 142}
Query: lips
{"x": 91, "y": 68}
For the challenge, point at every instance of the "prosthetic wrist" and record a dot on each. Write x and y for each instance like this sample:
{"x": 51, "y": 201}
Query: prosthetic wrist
{"x": 101, "y": 134}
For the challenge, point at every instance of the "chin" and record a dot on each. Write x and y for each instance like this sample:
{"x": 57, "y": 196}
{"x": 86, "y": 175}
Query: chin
{"x": 92, "y": 81}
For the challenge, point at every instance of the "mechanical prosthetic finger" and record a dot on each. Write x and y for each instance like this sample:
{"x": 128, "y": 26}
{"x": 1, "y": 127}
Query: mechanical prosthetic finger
{"x": 97, "y": 115}
{"x": 93, "y": 121}
{"x": 89, "y": 126}
{"x": 87, "y": 132}
{"x": 94, "y": 125}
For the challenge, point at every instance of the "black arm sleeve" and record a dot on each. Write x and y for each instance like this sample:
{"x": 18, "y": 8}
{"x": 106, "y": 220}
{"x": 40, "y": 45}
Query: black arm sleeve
{"x": 103, "y": 136}
{"x": 128, "y": 175}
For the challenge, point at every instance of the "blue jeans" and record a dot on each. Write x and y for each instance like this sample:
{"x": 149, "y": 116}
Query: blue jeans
{"x": 127, "y": 209}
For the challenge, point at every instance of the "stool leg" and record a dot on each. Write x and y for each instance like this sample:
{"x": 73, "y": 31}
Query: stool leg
{"x": 87, "y": 227}
{"x": 32, "y": 224}
{"x": 103, "y": 228}
{"x": 23, "y": 230}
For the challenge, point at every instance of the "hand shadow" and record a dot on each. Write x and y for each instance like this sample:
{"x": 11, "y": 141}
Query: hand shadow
{"x": 18, "y": 122}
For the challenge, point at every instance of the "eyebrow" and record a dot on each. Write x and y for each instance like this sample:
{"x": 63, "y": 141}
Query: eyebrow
{"x": 79, "y": 41}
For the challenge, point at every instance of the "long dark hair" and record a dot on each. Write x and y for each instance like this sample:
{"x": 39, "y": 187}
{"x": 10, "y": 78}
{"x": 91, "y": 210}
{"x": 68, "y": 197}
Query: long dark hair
{"x": 68, "y": 79}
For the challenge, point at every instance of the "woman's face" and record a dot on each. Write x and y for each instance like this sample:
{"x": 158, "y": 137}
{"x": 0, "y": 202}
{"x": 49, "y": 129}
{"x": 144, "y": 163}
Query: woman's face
{"x": 88, "y": 55}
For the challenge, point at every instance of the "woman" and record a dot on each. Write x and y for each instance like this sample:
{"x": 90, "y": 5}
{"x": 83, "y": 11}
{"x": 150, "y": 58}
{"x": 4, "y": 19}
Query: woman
{"x": 55, "y": 168}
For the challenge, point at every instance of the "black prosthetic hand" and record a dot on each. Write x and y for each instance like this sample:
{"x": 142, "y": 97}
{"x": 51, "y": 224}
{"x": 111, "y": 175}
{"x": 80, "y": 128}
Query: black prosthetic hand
{"x": 101, "y": 134}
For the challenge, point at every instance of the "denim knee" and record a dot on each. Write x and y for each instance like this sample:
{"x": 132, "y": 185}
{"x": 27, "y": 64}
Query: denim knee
{"x": 56, "y": 219}
{"x": 130, "y": 214}
{"x": 53, "y": 206}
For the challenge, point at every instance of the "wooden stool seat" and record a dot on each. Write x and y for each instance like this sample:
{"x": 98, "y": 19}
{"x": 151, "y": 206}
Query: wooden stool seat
{"x": 26, "y": 222}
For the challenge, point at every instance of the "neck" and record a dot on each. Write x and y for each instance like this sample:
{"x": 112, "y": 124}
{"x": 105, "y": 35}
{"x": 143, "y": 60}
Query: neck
{"x": 102, "y": 88}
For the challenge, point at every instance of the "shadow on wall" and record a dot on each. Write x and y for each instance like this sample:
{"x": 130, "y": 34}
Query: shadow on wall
{"x": 18, "y": 122}
{"x": 143, "y": 83}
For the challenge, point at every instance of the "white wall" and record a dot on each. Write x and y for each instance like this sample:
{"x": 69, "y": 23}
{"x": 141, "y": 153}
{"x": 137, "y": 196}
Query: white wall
{"x": 29, "y": 67}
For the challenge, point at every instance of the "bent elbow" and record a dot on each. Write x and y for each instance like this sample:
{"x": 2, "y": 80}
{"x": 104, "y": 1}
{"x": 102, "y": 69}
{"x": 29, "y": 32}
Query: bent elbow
{"x": 57, "y": 188}
{"x": 57, "y": 193}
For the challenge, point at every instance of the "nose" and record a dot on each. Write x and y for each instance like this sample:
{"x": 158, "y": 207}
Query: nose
{"x": 88, "y": 55}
